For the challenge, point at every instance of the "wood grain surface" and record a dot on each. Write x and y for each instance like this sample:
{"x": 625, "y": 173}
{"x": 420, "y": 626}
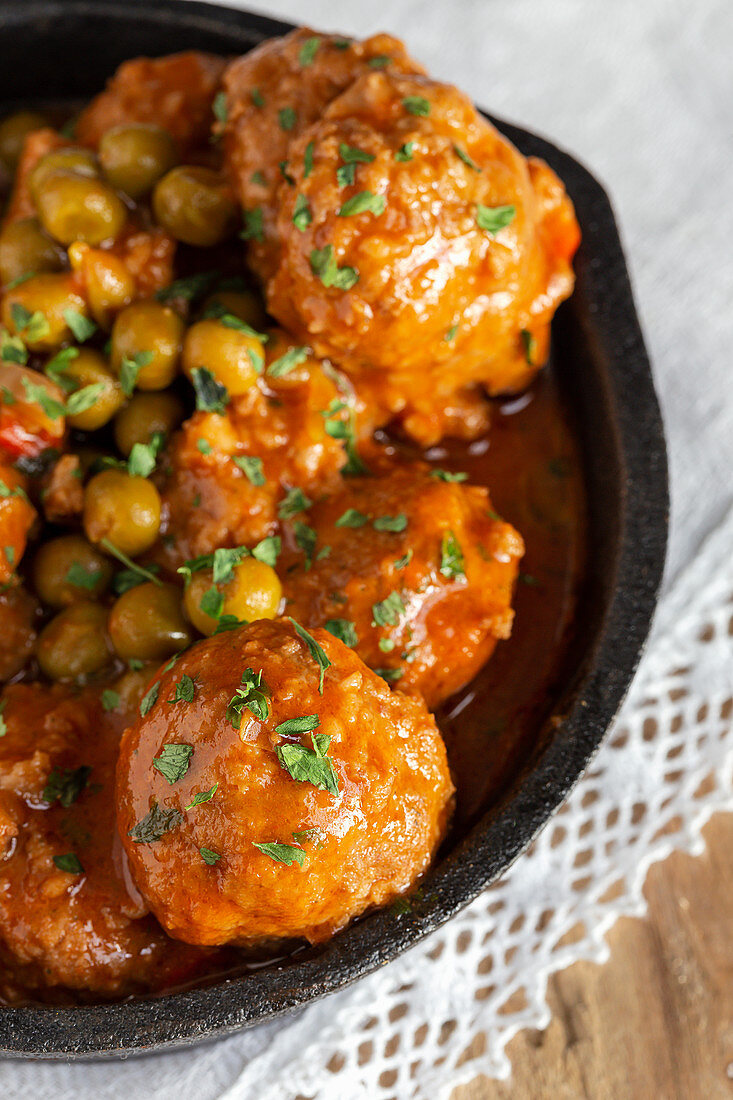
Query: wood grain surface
{"x": 656, "y": 1021}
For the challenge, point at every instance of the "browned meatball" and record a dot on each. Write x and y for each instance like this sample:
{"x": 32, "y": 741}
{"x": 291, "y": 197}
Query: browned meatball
{"x": 430, "y": 263}
{"x": 417, "y": 573}
{"x": 228, "y": 472}
{"x": 256, "y": 805}
{"x": 273, "y": 95}
{"x": 174, "y": 92}
{"x": 69, "y": 916}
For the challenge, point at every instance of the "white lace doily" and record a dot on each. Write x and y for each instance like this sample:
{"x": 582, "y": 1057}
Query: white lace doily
{"x": 403, "y": 1032}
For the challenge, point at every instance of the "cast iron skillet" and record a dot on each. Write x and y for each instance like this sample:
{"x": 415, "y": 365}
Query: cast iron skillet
{"x": 56, "y": 49}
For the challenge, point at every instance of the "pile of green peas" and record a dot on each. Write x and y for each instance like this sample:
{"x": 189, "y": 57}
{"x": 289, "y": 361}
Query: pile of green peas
{"x": 86, "y": 199}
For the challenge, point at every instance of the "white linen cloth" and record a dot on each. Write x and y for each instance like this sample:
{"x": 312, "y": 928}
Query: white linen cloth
{"x": 642, "y": 92}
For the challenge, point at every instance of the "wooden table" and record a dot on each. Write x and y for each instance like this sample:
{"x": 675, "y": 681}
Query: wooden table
{"x": 656, "y": 1021}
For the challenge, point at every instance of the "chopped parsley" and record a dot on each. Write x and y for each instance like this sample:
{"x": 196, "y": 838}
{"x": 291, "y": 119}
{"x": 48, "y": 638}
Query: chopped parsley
{"x": 352, "y": 517}
{"x": 291, "y": 727}
{"x": 448, "y": 475}
{"x": 143, "y": 456}
{"x": 110, "y": 699}
{"x": 155, "y": 824}
{"x": 12, "y": 349}
{"x": 185, "y": 690}
{"x": 292, "y": 358}
{"x": 403, "y": 561}
{"x": 293, "y": 502}
{"x": 390, "y": 523}
{"x": 386, "y": 645}
{"x": 530, "y": 346}
{"x": 81, "y": 327}
{"x": 387, "y": 611}
{"x": 254, "y": 225}
{"x": 416, "y": 105}
{"x": 310, "y": 765}
{"x": 391, "y": 675}
{"x": 351, "y": 154}
{"x": 189, "y": 288}
{"x": 251, "y": 467}
{"x": 451, "y": 334}
{"x": 494, "y": 218}
{"x": 345, "y": 430}
{"x": 287, "y": 117}
{"x": 306, "y": 539}
{"x": 282, "y": 853}
{"x": 315, "y": 651}
{"x": 173, "y": 762}
{"x": 203, "y": 446}
{"x": 308, "y": 160}
{"x": 70, "y": 863}
{"x": 212, "y": 602}
{"x": 252, "y": 695}
{"x": 131, "y": 367}
{"x": 211, "y": 396}
{"x": 259, "y": 179}
{"x": 344, "y": 630}
{"x": 9, "y": 552}
{"x": 149, "y": 700}
{"x": 289, "y": 179}
{"x": 380, "y": 61}
{"x": 220, "y": 108}
{"x": 365, "y": 202}
{"x": 56, "y": 368}
{"x": 324, "y": 265}
{"x": 84, "y": 398}
{"x": 210, "y": 858}
{"x": 80, "y": 577}
{"x": 66, "y": 786}
{"x": 133, "y": 567}
{"x": 202, "y": 796}
{"x": 302, "y": 214}
{"x": 463, "y": 155}
{"x": 39, "y": 395}
{"x": 267, "y": 550}
{"x": 3, "y": 723}
{"x": 307, "y": 54}
{"x": 451, "y": 557}
{"x": 257, "y": 97}
{"x": 34, "y": 325}
{"x": 404, "y": 153}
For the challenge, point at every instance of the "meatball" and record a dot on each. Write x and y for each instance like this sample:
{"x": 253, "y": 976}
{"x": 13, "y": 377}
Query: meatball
{"x": 228, "y": 473}
{"x": 415, "y": 572}
{"x": 273, "y": 94}
{"x": 174, "y": 92}
{"x": 19, "y": 614}
{"x": 274, "y": 788}
{"x": 69, "y": 915}
{"x": 417, "y": 248}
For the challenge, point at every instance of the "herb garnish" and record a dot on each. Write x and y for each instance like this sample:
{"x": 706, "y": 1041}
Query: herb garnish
{"x": 82, "y": 328}
{"x": 293, "y": 726}
{"x": 34, "y": 325}
{"x": 56, "y": 367}
{"x": 379, "y": 62}
{"x": 315, "y": 650}
{"x": 390, "y": 523}
{"x": 149, "y": 699}
{"x": 451, "y": 557}
{"x": 209, "y": 857}
{"x": 155, "y": 824}
{"x": 310, "y": 765}
{"x": 143, "y": 456}
{"x": 352, "y": 517}
{"x": 66, "y": 786}
{"x": 403, "y": 561}
{"x": 306, "y": 539}
{"x": 404, "y": 153}
{"x": 220, "y": 108}
{"x": 530, "y": 346}
{"x": 448, "y": 475}
{"x": 308, "y": 51}
{"x": 12, "y": 349}
{"x": 69, "y": 862}
{"x": 463, "y": 155}
{"x": 283, "y": 853}
{"x": 131, "y": 367}
{"x": 110, "y": 699}
{"x": 344, "y": 630}
{"x": 293, "y": 502}
{"x": 39, "y": 395}
{"x": 387, "y": 611}
{"x": 253, "y": 694}
{"x": 189, "y": 288}
{"x": 308, "y": 160}
{"x": 185, "y": 690}
{"x": 302, "y": 214}
{"x": 324, "y": 265}
{"x": 416, "y": 105}
{"x": 494, "y": 218}
{"x": 147, "y": 574}
{"x": 211, "y": 396}
{"x": 201, "y": 797}
{"x": 287, "y": 117}
{"x": 174, "y": 761}
{"x": 257, "y": 97}
{"x": 251, "y": 467}
{"x": 283, "y": 365}
{"x": 80, "y": 577}
{"x": 451, "y": 334}
{"x": 254, "y": 225}
{"x": 365, "y": 202}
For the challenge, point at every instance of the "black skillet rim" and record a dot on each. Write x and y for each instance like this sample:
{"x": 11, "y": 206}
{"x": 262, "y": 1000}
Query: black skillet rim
{"x": 508, "y": 828}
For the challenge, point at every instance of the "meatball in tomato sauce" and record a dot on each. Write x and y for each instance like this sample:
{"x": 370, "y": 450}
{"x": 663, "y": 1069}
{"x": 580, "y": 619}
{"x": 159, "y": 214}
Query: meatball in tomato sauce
{"x": 274, "y": 788}
{"x": 412, "y": 569}
{"x": 69, "y": 915}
